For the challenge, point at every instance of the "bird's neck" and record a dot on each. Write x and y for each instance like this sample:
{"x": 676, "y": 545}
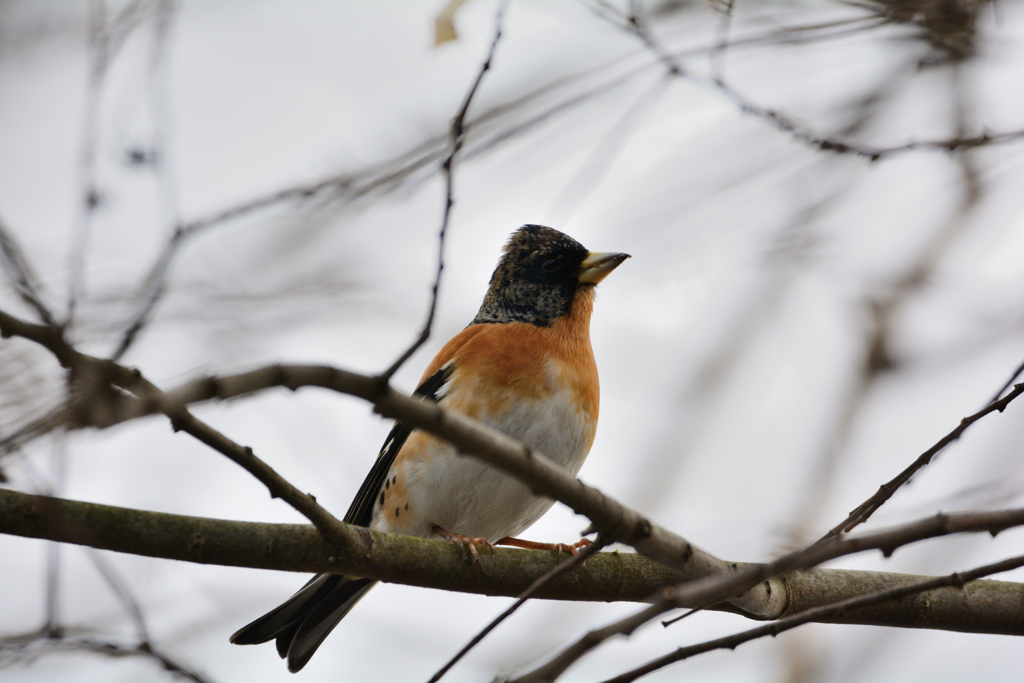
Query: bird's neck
{"x": 528, "y": 302}
{"x": 574, "y": 326}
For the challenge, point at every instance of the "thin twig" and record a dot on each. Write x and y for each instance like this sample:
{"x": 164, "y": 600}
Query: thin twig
{"x": 21, "y": 273}
{"x": 818, "y": 614}
{"x": 596, "y": 165}
{"x": 105, "y": 41}
{"x": 713, "y": 589}
{"x": 53, "y": 419}
{"x": 863, "y": 511}
{"x": 601, "y": 542}
{"x": 788, "y": 124}
{"x": 457, "y": 136}
{"x": 155, "y": 283}
{"x": 181, "y": 419}
{"x": 827, "y": 143}
{"x": 88, "y": 193}
{"x": 1009, "y": 383}
{"x": 27, "y": 647}
{"x": 121, "y": 590}
{"x": 724, "y": 26}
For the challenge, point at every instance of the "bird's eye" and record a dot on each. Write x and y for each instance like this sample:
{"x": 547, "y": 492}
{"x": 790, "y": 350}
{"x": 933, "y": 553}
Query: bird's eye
{"x": 551, "y": 265}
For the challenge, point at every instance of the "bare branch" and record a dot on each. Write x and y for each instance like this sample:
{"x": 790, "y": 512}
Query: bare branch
{"x": 96, "y": 379}
{"x": 27, "y": 647}
{"x": 788, "y": 124}
{"x": 713, "y": 589}
{"x": 457, "y": 136}
{"x": 20, "y": 272}
{"x": 863, "y": 511}
{"x": 1009, "y": 383}
{"x": 995, "y": 607}
{"x": 429, "y": 563}
{"x": 49, "y": 338}
{"x": 826, "y": 143}
{"x": 958, "y": 580}
{"x": 105, "y": 40}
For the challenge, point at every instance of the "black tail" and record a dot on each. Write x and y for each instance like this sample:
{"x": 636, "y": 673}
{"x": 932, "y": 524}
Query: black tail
{"x": 302, "y": 622}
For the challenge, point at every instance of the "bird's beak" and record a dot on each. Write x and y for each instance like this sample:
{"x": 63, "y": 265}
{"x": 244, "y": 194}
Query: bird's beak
{"x": 597, "y": 266}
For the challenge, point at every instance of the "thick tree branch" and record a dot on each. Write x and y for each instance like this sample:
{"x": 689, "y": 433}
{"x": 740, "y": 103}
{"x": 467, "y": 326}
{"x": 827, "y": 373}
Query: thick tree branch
{"x": 989, "y": 606}
{"x": 300, "y": 548}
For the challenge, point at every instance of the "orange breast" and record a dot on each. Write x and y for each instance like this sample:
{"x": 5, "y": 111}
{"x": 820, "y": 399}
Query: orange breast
{"x": 513, "y": 357}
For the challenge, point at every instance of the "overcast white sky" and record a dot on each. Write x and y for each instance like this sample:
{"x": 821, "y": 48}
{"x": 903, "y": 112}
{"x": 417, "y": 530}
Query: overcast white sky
{"x": 726, "y": 345}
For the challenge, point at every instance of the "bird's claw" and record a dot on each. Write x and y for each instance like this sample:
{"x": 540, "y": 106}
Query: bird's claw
{"x": 574, "y": 548}
{"x": 470, "y": 543}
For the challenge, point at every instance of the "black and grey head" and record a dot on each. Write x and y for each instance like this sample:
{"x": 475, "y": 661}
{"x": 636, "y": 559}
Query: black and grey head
{"x": 538, "y": 276}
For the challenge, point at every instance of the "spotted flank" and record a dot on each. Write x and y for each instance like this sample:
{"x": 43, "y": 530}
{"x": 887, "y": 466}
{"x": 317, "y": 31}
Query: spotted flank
{"x": 373, "y": 494}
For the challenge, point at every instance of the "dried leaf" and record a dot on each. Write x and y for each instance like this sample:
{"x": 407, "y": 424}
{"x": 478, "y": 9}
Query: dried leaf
{"x": 444, "y": 27}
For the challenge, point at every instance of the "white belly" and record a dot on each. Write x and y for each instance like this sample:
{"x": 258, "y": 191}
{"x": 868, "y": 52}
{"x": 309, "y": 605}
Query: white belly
{"x": 471, "y": 498}
{"x": 466, "y": 496}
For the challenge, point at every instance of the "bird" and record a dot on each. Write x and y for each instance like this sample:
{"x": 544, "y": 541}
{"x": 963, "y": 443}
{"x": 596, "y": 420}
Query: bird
{"x": 523, "y": 366}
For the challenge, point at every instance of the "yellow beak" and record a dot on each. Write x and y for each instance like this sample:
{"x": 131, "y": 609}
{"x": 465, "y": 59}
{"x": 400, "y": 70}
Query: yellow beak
{"x": 597, "y": 266}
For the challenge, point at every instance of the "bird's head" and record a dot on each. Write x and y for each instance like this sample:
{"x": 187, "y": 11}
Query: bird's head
{"x": 540, "y": 275}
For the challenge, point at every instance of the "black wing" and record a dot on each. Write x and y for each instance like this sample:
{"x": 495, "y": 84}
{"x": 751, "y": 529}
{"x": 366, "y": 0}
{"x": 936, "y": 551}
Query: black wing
{"x": 361, "y": 509}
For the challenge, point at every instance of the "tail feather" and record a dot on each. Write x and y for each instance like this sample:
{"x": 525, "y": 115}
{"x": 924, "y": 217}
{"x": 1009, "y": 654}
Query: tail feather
{"x": 302, "y": 622}
{"x": 294, "y": 608}
{"x": 322, "y": 618}
{"x": 284, "y": 638}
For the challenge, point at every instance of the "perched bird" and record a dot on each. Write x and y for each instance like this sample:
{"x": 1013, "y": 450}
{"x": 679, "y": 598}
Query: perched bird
{"x": 523, "y": 366}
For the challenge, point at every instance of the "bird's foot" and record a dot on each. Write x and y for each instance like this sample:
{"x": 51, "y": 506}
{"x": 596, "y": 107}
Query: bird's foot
{"x": 470, "y": 543}
{"x": 573, "y": 549}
